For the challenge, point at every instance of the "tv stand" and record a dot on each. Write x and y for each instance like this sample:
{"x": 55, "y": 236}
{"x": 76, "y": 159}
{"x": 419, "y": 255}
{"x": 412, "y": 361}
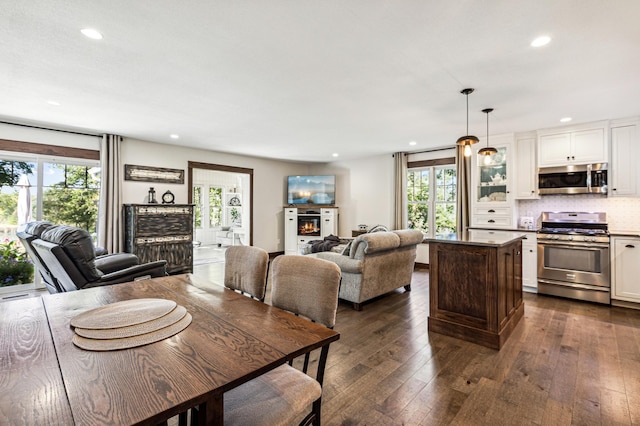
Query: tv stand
{"x": 304, "y": 224}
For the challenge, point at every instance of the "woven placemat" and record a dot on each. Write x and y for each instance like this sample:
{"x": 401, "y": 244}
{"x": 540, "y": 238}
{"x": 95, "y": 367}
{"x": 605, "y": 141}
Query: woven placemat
{"x": 134, "y": 341}
{"x": 123, "y": 314}
{"x": 134, "y": 330}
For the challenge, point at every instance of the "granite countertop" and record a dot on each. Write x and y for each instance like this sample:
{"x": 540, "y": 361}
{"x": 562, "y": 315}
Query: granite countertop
{"x": 479, "y": 237}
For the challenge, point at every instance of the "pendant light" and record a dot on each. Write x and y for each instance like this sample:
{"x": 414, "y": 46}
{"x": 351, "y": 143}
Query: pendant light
{"x": 487, "y": 151}
{"x": 467, "y": 140}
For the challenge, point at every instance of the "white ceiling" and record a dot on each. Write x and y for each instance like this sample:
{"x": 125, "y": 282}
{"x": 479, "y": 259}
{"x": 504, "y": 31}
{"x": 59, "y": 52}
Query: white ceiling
{"x": 300, "y": 80}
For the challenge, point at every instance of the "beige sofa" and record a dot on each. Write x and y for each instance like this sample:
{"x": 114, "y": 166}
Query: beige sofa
{"x": 375, "y": 264}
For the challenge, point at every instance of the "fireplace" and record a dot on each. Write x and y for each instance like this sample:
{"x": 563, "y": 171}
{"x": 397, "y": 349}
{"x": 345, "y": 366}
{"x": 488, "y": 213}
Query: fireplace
{"x": 309, "y": 225}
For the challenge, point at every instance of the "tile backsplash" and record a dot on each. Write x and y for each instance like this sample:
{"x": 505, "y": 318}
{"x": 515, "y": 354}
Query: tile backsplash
{"x": 623, "y": 214}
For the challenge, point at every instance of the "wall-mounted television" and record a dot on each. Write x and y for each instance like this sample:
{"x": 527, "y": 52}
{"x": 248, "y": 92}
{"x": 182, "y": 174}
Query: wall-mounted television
{"x": 315, "y": 190}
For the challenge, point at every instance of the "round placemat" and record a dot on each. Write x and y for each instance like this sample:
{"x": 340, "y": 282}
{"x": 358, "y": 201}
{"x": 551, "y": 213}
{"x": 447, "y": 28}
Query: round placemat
{"x": 134, "y": 330}
{"x": 123, "y": 314}
{"x": 134, "y": 341}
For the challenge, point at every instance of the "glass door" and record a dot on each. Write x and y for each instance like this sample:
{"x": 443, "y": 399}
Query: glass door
{"x": 492, "y": 177}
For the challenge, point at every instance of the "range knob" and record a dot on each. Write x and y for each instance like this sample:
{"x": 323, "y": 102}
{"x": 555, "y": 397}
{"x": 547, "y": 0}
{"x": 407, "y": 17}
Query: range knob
{"x": 549, "y": 236}
{"x": 593, "y": 239}
{"x": 586, "y": 238}
{"x": 570, "y": 238}
{"x": 556, "y": 237}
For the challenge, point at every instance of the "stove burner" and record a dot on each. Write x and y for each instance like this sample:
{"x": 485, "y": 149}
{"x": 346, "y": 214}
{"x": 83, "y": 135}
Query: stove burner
{"x": 573, "y": 231}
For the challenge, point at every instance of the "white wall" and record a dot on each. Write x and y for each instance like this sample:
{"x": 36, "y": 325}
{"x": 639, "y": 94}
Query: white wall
{"x": 364, "y": 191}
{"x": 269, "y": 180}
{"x": 49, "y": 137}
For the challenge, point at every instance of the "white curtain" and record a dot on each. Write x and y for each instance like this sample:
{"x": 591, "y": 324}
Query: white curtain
{"x": 463, "y": 173}
{"x": 400, "y": 202}
{"x": 110, "y": 228}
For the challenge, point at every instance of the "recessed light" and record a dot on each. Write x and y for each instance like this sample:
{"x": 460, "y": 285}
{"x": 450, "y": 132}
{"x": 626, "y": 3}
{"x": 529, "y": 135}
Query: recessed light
{"x": 54, "y": 103}
{"x": 335, "y": 154}
{"x": 412, "y": 143}
{"x": 565, "y": 120}
{"x": 91, "y": 33}
{"x": 541, "y": 41}
{"x": 174, "y": 136}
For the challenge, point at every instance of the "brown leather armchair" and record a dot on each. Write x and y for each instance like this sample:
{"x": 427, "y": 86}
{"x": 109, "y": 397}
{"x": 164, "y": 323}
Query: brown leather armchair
{"x": 67, "y": 259}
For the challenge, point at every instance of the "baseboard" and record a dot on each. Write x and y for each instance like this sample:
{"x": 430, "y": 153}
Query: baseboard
{"x": 420, "y": 266}
{"x": 275, "y": 254}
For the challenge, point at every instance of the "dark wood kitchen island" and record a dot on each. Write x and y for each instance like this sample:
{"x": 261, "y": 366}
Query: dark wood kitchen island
{"x": 475, "y": 285}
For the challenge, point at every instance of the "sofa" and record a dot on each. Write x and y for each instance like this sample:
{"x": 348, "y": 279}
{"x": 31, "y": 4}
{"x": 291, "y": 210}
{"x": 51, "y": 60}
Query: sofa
{"x": 375, "y": 264}
{"x": 67, "y": 259}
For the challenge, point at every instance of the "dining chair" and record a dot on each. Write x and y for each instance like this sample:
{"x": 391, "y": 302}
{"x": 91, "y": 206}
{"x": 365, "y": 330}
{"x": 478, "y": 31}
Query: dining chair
{"x": 307, "y": 287}
{"x": 245, "y": 270}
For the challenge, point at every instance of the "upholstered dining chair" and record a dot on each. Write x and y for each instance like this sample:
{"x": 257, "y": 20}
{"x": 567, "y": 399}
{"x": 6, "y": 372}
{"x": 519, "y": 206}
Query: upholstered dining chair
{"x": 245, "y": 270}
{"x": 307, "y": 287}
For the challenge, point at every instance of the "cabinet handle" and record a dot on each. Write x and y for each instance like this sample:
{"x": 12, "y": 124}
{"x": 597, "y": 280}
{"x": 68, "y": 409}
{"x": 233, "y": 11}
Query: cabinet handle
{"x": 491, "y": 211}
{"x": 630, "y": 246}
{"x": 573, "y": 157}
{"x": 615, "y": 189}
{"x": 533, "y": 192}
{"x": 290, "y": 219}
{"x": 567, "y": 158}
{"x": 507, "y": 254}
{"x": 491, "y": 221}
{"x": 530, "y": 251}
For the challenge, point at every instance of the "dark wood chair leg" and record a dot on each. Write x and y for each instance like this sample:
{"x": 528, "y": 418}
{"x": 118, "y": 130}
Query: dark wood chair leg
{"x": 407, "y": 287}
{"x": 357, "y": 306}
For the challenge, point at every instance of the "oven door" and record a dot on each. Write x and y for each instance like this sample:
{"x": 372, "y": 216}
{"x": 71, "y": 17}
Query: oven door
{"x": 574, "y": 263}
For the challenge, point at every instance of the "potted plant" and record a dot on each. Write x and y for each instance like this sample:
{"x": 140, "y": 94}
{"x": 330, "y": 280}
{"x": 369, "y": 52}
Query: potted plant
{"x": 15, "y": 267}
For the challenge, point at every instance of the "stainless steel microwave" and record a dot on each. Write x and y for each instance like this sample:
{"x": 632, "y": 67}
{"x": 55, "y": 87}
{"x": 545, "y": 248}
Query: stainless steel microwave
{"x": 579, "y": 179}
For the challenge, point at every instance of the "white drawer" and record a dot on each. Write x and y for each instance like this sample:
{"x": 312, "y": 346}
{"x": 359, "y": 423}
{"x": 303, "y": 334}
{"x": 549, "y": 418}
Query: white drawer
{"x": 499, "y": 211}
{"x": 291, "y": 211}
{"x": 492, "y": 221}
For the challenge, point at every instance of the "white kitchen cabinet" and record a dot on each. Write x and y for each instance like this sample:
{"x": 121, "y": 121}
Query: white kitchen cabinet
{"x": 526, "y": 175}
{"x": 585, "y": 144}
{"x": 625, "y": 269}
{"x": 623, "y": 175}
{"x": 492, "y": 179}
{"x": 530, "y": 263}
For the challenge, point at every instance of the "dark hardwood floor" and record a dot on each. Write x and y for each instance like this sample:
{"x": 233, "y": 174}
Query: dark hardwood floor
{"x": 567, "y": 362}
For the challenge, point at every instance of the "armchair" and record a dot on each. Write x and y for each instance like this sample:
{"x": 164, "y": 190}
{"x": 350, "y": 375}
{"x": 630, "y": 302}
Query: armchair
{"x": 68, "y": 260}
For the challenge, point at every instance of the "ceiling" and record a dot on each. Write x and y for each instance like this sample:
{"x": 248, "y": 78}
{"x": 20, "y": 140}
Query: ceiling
{"x": 301, "y": 80}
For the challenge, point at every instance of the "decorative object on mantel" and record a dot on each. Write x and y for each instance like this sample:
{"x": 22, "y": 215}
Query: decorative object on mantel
{"x": 152, "y": 196}
{"x": 153, "y": 174}
{"x": 128, "y": 324}
{"x": 168, "y": 198}
{"x": 468, "y": 139}
{"x": 234, "y": 201}
{"x": 488, "y": 151}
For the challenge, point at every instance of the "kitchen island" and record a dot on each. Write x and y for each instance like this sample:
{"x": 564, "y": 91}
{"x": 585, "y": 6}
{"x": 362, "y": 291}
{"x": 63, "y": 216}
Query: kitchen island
{"x": 475, "y": 285}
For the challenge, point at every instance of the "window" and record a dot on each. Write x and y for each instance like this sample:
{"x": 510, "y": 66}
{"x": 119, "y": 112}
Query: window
{"x": 431, "y": 199}
{"x": 197, "y": 208}
{"x": 63, "y": 192}
{"x": 215, "y": 206}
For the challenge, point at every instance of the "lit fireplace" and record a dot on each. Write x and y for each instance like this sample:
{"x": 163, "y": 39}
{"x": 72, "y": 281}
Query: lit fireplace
{"x": 309, "y": 225}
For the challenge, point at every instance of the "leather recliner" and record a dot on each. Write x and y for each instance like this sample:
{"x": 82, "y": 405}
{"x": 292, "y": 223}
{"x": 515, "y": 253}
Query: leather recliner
{"x": 67, "y": 260}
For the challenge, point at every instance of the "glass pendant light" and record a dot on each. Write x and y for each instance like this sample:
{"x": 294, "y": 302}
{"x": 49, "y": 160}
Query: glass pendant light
{"x": 467, "y": 140}
{"x": 487, "y": 151}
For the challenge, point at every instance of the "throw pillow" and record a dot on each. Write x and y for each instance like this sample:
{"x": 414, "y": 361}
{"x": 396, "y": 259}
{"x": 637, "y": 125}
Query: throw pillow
{"x": 347, "y": 249}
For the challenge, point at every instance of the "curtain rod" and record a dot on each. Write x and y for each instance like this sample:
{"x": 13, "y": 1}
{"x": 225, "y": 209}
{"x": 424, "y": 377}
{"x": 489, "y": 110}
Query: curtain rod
{"x": 430, "y": 150}
{"x": 47, "y": 128}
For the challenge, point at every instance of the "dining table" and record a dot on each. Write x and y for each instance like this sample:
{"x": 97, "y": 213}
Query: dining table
{"x": 232, "y": 339}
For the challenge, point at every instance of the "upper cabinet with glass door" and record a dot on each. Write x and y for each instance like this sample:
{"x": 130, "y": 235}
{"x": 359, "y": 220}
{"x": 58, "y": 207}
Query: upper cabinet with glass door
{"x": 492, "y": 181}
{"x": 493, "y": 177}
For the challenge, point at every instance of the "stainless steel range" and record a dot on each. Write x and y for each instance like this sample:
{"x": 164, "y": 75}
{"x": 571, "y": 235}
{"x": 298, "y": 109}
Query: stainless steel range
{"x": 573, "y": 256}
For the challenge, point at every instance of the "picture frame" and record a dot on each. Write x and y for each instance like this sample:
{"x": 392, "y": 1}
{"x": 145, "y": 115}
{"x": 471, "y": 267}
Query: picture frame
{"x": 153, "y": 174}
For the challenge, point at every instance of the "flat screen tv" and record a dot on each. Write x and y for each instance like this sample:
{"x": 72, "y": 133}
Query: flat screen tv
{"x": 315, "y": 190}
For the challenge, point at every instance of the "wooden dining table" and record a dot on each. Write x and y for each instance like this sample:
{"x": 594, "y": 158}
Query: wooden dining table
{"x": 232, "y": 339}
